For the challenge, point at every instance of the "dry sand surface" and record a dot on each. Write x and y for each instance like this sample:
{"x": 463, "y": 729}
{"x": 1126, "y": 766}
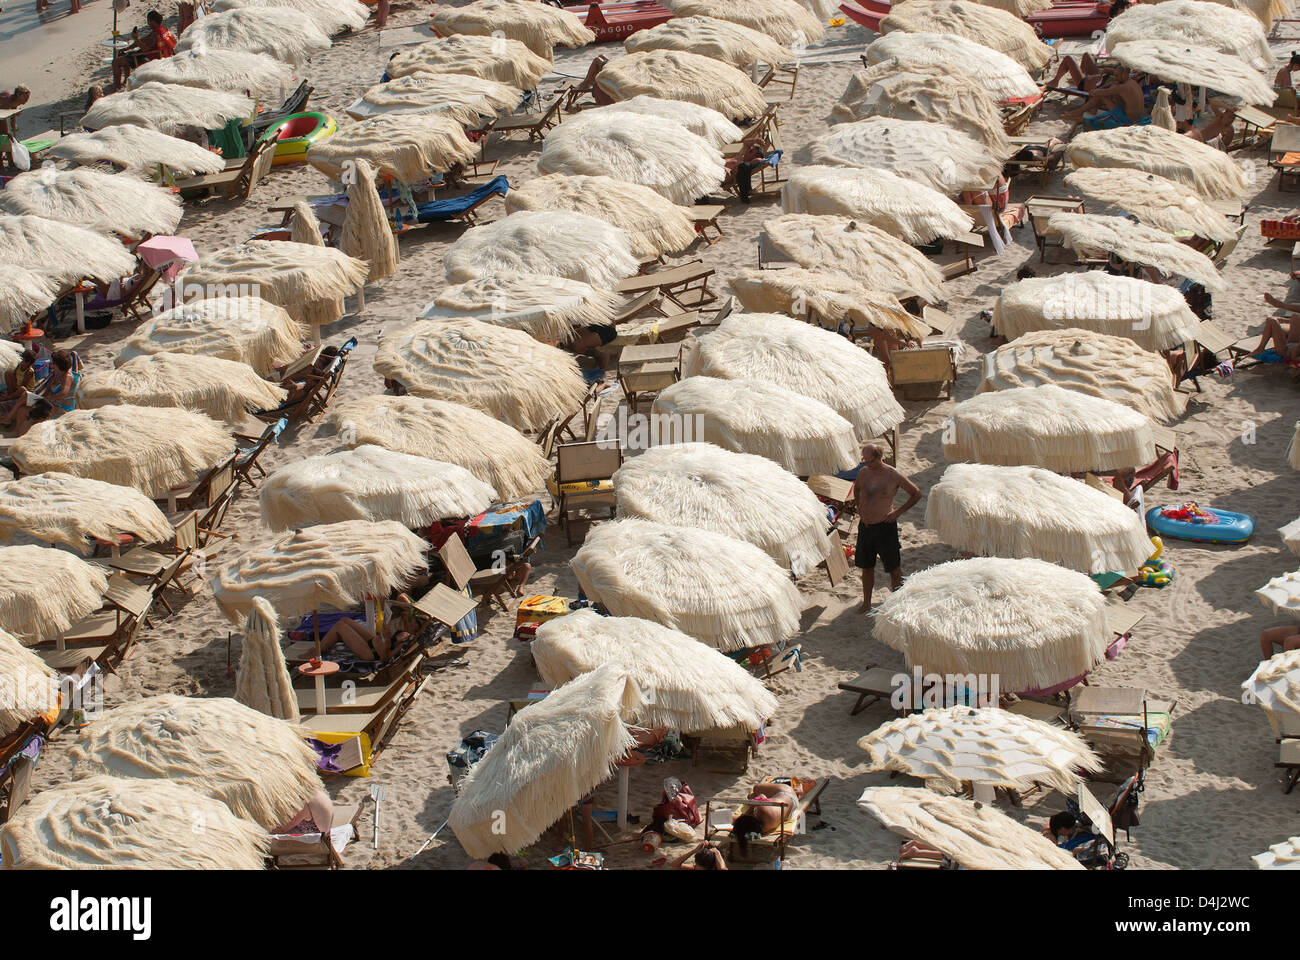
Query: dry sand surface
{"x": 1212, "y": 798}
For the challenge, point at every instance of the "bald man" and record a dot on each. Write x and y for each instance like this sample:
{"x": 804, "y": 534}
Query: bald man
{"x": 874, "y": 491}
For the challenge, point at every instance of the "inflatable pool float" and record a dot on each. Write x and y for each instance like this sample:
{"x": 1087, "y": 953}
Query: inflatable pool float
{"x": 1201, "y": 524}
{"x": 295, "y": 133}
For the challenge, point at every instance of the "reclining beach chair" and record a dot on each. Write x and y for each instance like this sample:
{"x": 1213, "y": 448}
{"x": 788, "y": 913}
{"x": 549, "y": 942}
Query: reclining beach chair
{"x": 686, "y": 285}
{"x": 233, "y": 183}
{"x": 1123, "y": 726}
{"x": 461, "y": 209}
{"x": 871, "y": 686}
{"x": 106, "y": 637}
{"x": 165, "y": 568}
{"x": 251, "y": 449}
{"x": 719, "y": 813}
{"x": 533, "y": 125}
{"x": 572, "y": 97}
{"x": 781, "y": 75}
{"x": 490, "y": 584}
{"x": 759, "y": 132}
{"x": 583, "y": 480}
{"x": 1041, "y": 210}
{"x": 319, "y": 383}
{"x": 1284, "y": 155}
{"x": 316, "y": 851}
{"x": 644, "y": 370}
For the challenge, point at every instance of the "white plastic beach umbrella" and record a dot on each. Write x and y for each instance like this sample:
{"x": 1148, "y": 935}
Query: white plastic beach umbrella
{"x": 551, "y": 755}
{"x": 370, "y": 483}
{"x": 245, "y": 329}
{"x": 44, "y": 591}
{"x": 23, "y": 293}
{"x": 235, "y": 70}
{"x": 1033, "y": 625}
{"x": 221, "y": 389}
{"x": 495, "y": 453}
{"x": 1275, "y": 686}
{"x": 1279, "y": 856}
{"x": 1282, "y": 594}
{"x": 823, "y": 296}
{"x": 1003, "y": 77}
{"x": 87, "y": 197}
{"x": 930, "y": 153}
{"x": 168, "y": 108}
{"x": 61, "y": 251}
{"x": 332, "y": 16}
{"x": 701, "y": 121}
{"x": 110, "y": 823}
{"x": 1221, "y": 28}
{"x": 976, "y": 835}
{"x": 752, "y": 416}
{"x": 719, "y": 590}
{"x": 677, "y": 75}
{"x": 138, "y": 149}
{"x": 1291, "y": 536}
{"x": 1134, "y": 243}
{"x": 571, "y": 245}
{"x": 492, "y": 58}
{"x": 806, "y": 359}
{"x": 1210, "y": 172}
{"x": 1048, "y": 427}
{"x": 688, "y": 686}
{"x": 503, "y": 372}
{"x": 538, "y": 26}
{"x": 1155, "y": 316}
{"x": 1157, "y": 202}
{"x": 723, "y": 40}
{"x": 905, "y": 208}
{"x": 953, "y": 746}
{"x": 786, "y": 21}
{"x": 1027, "y": 512}
{"x": 58, "y": 508}
{"x": 259, "y": 766}
{"x": 468, "y": 100}
{"x": 1202, "y": 65}
{"x": 547, "y": 308}
{"x": 284, "y": 34}
{"x": 409, "y": 147}
{"x": 738, "y": 495}
{"x": 998, "y": 29}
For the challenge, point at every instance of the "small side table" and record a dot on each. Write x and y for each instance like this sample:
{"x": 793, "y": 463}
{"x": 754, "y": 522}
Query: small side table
{"x": 325, "y": 669}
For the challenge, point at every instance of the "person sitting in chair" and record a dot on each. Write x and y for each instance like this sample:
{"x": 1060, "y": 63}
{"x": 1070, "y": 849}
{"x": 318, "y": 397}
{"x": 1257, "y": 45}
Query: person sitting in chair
{"x": 368, "y": 644}
{"x": 1220, "y": 128}
{"x": 1120, "y": 102}
{"x": 158, "y": 42}
{"x": 1283, "y": 78}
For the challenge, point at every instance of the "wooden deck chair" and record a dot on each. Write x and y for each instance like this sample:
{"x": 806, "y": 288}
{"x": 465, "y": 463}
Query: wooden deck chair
{"x": 686, "y": 285}
{"x": 646, "y": 302}
{"x": 198, "y": 493}
{"x": 1284, "y": 145}
{"x": 644, "y": 370}
{"x": 706, "y": 219}
{"x": 1288, "y": 760}
{"x": 251, "y": 449}
{"x": 873, "y": 685}
{"x": 923, "y": 373}
{"x": 573, "y": 95}
{"x": 319, "y": 379}
{"x": 236, "y": 182}
{"x": 757, "y": 132}
{"x": 15, "y": 769}
{"x": 1041, "y": 210}
{"x": 151, "y": 564}
{"x": 836, "y": 491}
{"x": 493, "y": 584}
{"x": 761, "y": 850}
{"x": 781, "y": 75}
{"x": 583, "y": 480}
{"x": 314, "y": 851}
{"x": 105, "y": 637}
{"x": 533, "y": 125}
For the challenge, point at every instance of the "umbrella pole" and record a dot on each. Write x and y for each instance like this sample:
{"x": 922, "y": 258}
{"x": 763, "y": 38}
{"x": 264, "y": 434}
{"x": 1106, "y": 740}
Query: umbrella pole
{"x": 361, "y": 299}
{"x": 624, "y": 775}
{"x": 315, "y": 626}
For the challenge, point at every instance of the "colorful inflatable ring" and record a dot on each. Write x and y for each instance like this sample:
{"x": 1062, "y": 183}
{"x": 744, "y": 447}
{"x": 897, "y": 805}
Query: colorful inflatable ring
{"x": 296, "y": 132}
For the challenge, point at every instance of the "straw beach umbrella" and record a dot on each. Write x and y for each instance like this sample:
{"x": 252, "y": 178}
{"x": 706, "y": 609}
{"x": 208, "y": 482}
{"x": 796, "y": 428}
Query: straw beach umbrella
{"x": 137, "y": 149}
{"x": 497, "y": 454}
{"x": 738, "y": 495}
{"x": 62, "y": 509}
{"x": 1275, "y": 686}
{"x": 720, "y": 590}
{"x": 244, "y": 329}
{"x": 751, "y": 416}
{"x": 1135, "y": 243}
{"x": 823, "y": 295}
{"x": 371, "y": 483}
{"x": 1020, "y": 8}
{"x": 1153, "y": 315}
{"x": 366, "y": 234}
{"x": 789, "y": 23}
{"x": 701, "y": 121}
{"x": 1032, "y": 624}
{"x": 492, "y": 58}
{"x": 1201, "y": 65}
{"x": 503, "y": 372}
{"x": 263, "y": 680}
{"x": 997, "y": 29}
{"x": 1028, "y": 512}
{"x": 332, "y": 16}
{"x": 1265, "y": 11}
{"x": 1048, "y": 427}
{"x": 1210, "y": 172}
{"x": 44, "y": 591}
{"x": 548, "y": 309}
{"x": 538, "y": 26}
{"x": 906, "y": 208}
{"x": 464, "y": 98}
{"x": 677, "y": 75}
{"x": 108, "y": 823}
{"x": 284, "y": 34}
{"x": 570, "y": 245}
{"x": 330, "y": 564}
{"x": 688, "y": 686}
{"x": 60, "y": 251}
{"x": 25, "y": 292}
{"x": 408, "y": 147}
{"x": 950, "y": 747}
{"x": 1000, "y": 75}
{"x": 975, "y": 835}
{"x": 1114, "y": 368}
{"x": 32, "y": 688}
{"x": 221, "y": 389}
{"x": 655, "y": 225}
{"x": 167, "y": 107}
{"x": 837, "y": 243}
{"x": 722, "y": 40}
{"x": 258, "y": 766}
{"x": 1175, "y": 22}
{"x": 91, "y": 198}
{"x": 1157, "y": 202}
{"x": 929, "y": 153}
{"x": 806, "y": 359}
{"x": 235, "y": 70}
{"x": 553, "y": 753}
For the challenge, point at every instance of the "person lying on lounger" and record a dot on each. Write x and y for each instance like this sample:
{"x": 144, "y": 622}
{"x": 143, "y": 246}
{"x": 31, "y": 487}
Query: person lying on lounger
{"x": 1085, "y": 73}
{"x": 590, "y": 337}
{"x": 762, "y": 819}
{"x": 369, "y": 644}
{"x": 1282, "y": 332}
{"x": 1288, "y": 638}
{"x": 1220, "y": 128}
{"x": 1283, "y": 78}
{"x": 1121, "y": 98}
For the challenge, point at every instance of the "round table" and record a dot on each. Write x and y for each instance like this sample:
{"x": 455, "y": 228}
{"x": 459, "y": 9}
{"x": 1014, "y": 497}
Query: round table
{"x": 319, "y": 671}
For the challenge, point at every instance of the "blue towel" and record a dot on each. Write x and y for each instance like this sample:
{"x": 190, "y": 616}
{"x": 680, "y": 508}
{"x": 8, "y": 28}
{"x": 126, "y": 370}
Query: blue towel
{"x": 437, "y": 210}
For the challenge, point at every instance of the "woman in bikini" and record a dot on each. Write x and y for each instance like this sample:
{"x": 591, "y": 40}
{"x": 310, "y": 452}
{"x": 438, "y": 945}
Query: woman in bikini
{"x": 369, "y": 644}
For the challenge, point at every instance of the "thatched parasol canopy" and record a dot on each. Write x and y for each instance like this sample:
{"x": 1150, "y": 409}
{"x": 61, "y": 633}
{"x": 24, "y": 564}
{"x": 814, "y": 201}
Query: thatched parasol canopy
{"x": 976, "y": 836}
{"x": 806, "y": 359}
{"x": 1157, "y": 202}
{"x": 1265, "y": 11}
{"x": 823, "y": 296}
{"x": 149, "y": 448}
{"x": 497, "y": 454}
{"x": 688, "y": 686}
{"x": 1000, "y": 75}
{"x": 332, "y": 16}
{"x": 234, "y": 70}
{"x": 571, "y": 245}
{"x": 1114, "y": 368}
{"x": 1221, "y": 28}
{"x": 263, "y": 682}
{"x": 44, "y": 591}
{"x": 929, "y": 153}
{"x": 1028, "y": 512}
{"x": 492, "y": 58}
{"x": 108, "y": 823}
{"x": 677, "y": 75}
{"x": 33, "y": 688}
{"x": 260, "y": 767}
{"x": 92, "y": 198}
{"x": 717, "y": 589}
{"x": 138, "y": 149}
{"x": 59, "y": 508}
{"x": 553, "y": 753}
{"x": 546, "y": 308}
{"x": 701, "y": 121}
{"x": 168, "y": 107}
{"x": 1031, "y": 624}
{"x": 1153, "y": 315}
{"x": 1020, "y": 8}
{"x": 503, "y": 372}
{"x": 408, "y": 147}
{"x": 954, "y": 746}
{"x": 24, "y": 293}
{"x": 371, "y": 483}
{"x": 785, "y": 21}
{"x": 879, "y": 260}
{"x": 723, "y": 40}
{"x": 752, "y": 416}
{"x": 997, "y": 29}
{"x": 284, "y": 34}
{"x": 1275, "y": 686}
{"x": 1135, "y": 243}
{"x": 366, "y": 234}
{"x": 328, "y": 565}
{"x": 1282, "y": 594}
{"x": 245, "y": 329}
{"x": 538, "y": 26}
{"x": 737, "y": 495}
{"x": 1048, "y": 427}
{"x": 1210, "y": 172}
{"x": 61, "y": 251}
{"x": 466, "y": 99}
{"x": 1178, "y": 63}
{"x": 221, "y": 389}
{"x": 905, "y": 208}
{"x": 655, "y": 225}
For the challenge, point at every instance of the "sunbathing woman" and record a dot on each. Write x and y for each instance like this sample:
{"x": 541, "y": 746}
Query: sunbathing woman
{"x": 1220, "y": 128}
{"x": 1288, "y": 638}
{"x": 367, "y": 643}
{"x": 1282, "y": 332}
{"x": 763, "y": 819}
{"x": 316, "y": 816}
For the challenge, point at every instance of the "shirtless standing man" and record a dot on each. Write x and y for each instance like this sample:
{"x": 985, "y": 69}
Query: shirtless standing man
{"x": 874, "y": 491}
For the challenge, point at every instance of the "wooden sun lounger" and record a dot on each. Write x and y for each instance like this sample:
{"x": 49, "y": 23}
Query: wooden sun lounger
{"x": 780, "y": 838}
{"x": 873, "y": 685}
{"x": 1041, "y": 210}
{"x": 534, "y": 125}
{"x": 290, "y": 853}
{"x": 686, "y": 285}
{"x": 706, "y": 219}
{"x": 236, "y": 182}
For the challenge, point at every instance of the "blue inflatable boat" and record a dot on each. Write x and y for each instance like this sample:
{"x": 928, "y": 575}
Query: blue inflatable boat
{"x": 1200, "y": 524}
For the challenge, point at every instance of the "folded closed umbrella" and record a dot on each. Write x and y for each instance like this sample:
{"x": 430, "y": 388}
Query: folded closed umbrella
{"x": 366, "y": 234}
{"x": 263, "y": 682}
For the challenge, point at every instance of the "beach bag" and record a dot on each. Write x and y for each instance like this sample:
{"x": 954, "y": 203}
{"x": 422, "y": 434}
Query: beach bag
{"x": 678, "y": 803}
{"x": 22, "y": 156}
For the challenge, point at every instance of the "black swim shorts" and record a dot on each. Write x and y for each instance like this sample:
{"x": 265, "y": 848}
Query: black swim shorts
{"x": 878, "y": 540}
